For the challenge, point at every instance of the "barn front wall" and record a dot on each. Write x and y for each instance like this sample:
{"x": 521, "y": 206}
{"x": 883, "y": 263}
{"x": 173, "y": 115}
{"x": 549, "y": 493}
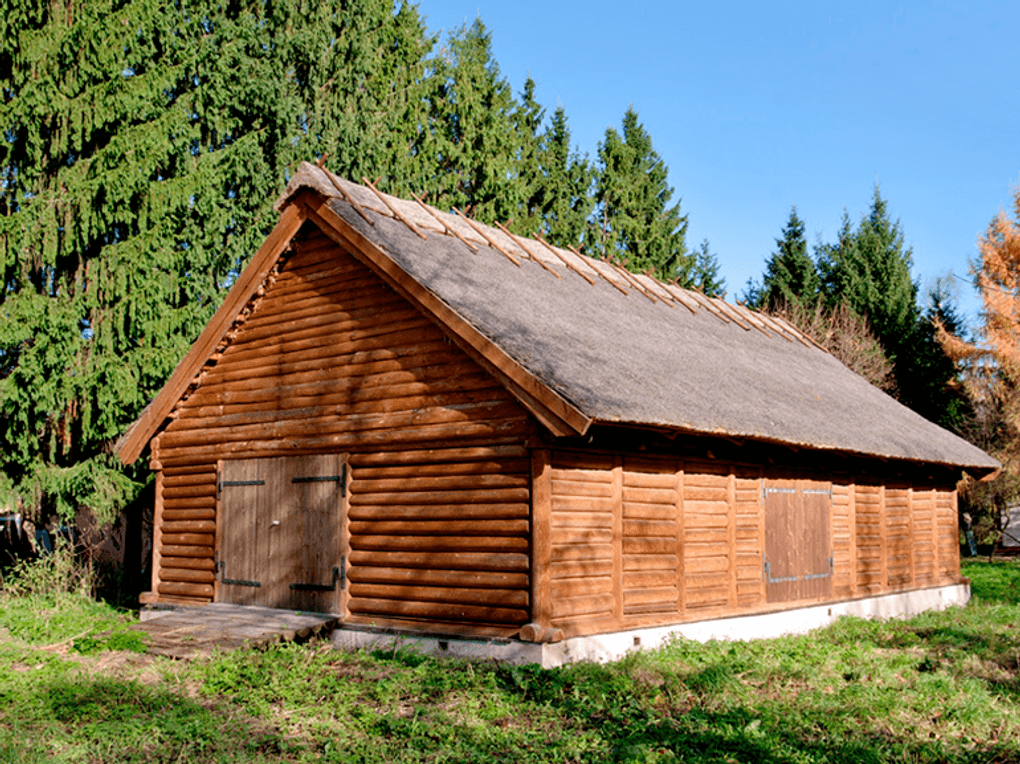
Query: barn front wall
{"x": 428, "y": 474}
{"x": 626, "y": 541}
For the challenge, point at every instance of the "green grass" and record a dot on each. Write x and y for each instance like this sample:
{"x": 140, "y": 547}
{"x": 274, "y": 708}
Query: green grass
{"x": 942, "y": 687}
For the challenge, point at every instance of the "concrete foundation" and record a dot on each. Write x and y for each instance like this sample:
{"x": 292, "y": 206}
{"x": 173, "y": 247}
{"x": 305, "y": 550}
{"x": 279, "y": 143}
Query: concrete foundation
{"x": 607, "y": 647}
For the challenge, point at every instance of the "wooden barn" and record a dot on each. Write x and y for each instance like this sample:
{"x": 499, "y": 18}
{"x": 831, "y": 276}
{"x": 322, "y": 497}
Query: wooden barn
{"x": 430, "y": 426}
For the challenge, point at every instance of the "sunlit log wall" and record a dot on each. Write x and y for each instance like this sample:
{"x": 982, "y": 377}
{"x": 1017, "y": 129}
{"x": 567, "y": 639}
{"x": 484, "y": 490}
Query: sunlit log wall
{"x": 331, "y": 360}
{"x": 638, "y": 541}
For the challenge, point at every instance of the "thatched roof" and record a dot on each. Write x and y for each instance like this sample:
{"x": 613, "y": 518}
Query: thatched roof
{"x": 681, "y": 361}
{"x": 599, "y": 345}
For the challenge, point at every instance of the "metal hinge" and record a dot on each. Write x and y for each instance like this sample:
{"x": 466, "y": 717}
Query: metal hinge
{"x": 340, "y": 479}
{"x": 766, "y": 574}
{"x": 233, "y": 581}
{"x": 221, "y": 484}
{"x": 339, "y": 575}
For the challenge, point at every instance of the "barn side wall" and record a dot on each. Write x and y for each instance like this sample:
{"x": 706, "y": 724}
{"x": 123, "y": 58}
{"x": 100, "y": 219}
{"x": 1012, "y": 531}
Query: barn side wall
{"x": 330, "y": 360}
{"x": 636, "y": 542}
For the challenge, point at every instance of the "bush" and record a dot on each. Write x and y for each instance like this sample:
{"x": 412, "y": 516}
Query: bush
{"x": 60, "y": 572}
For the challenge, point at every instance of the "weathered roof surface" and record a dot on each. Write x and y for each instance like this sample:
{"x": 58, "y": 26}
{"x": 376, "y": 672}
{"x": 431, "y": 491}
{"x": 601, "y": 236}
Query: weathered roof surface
{"x": 627, "y": 349}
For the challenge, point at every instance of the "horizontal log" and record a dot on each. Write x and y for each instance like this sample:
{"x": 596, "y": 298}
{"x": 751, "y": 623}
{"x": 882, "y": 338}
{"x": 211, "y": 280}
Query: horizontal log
{"x": 447, "y": 358}
{"x": 579, "y": 552}
{"x": 439, "y": 377}
{"x": 291, "y": 301}
{"x": 580, "y": 569}
{"x": 409, "y": 343}
{"x": 719, "y": 564}
{"x": 280, "y": 413}
{"x": 705, "y": 515}
{"x": 435, "y": 611}
{"x": 169, "y": 550}
{"x": 194, "y": 478}
{"x": 489, "y": 467}
{"x": 649, "y": 608}
{"x": 573, "y": 606}
{"x": 582, "y": 504}
{"x": 342, "y": 425}
{"x": 189, "y": 491}
{"x": 500, "y": 598}
{"x": 440, "y": 528}
{"x": 355, "y": 394}
{"x": 188, "y": 575}
{"x": 636, "y": 511}
{"x": 437, "y": 455}
{"x": 650, "y": 495}
{"x": 201, "y": 513}
{"x": 694, "y": 536}
{"x": 179, "y": 589}
{"x": 195, "y": 563}
{"x": 188, "y": 526}
{"x": 189, "y": 503}
{"x": 664, "y": 480}
{"x": 581, "y": 520}
{"x": 300, "y": 325}
{"x": 470, "y": 511}
{"x": 578, "y": 488}
{"x": 579, "y": 536}
{"x": 181, "y": 470}
{"x": 713, "y": 495}
{"x": 650, "y": 562}
{"x": 482, "y": 428}
{"x": 649, "y": 528}
{"x": 649, "y": 545}
{"x": 188, "y": 539}
{"x": 659, "y": 595}
{"x": 562, "y": 588}
{"x": 649, "y": 579}
{"x": 438, "y": 483}
{"x": 469, "y": 561}
{"x": 457, "y": 578}
{"x": 490, "y": 495}
{"x": 441, "y": 543}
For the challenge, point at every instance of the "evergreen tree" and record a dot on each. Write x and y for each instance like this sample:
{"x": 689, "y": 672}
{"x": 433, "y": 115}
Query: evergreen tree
{"x": 701, "y": 271}
{"x": 474, "y": 122}
{"x": 791, "y": 277}
{"x": 869, "y": 269}
{"x": 567, "y": 202}
{"x": 145, "y": 143}
{"x": 929, "y": 380}
{"x": 633, "y": 220}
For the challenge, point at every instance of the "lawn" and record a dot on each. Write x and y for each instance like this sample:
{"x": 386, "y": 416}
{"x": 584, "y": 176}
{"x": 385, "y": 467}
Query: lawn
{"x": 939, "y": 687}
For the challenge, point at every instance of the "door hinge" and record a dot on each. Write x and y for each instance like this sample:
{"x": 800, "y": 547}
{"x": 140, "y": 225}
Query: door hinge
{"x": 339, "y": 576}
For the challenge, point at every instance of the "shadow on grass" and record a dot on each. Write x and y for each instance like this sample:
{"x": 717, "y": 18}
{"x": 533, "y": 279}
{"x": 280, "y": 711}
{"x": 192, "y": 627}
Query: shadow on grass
{"x": 115, "y": 720}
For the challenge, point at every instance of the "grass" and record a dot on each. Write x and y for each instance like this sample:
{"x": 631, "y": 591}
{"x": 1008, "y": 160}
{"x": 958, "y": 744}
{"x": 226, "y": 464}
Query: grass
{"x": 942, "y": 687}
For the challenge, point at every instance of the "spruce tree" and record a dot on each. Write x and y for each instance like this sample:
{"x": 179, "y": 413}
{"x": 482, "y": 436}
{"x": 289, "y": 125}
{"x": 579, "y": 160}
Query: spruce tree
{"x": 869, "y": 269}
{"x": 476, "y": 141}
{"x": 145, "y": 144}
{"x": 791, "y": 277}
{"x": 634, "y": 222}
{"x": 566, "y": 202}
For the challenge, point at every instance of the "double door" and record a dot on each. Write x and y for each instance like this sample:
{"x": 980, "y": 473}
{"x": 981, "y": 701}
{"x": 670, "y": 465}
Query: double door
{"x": 281, "y": 534}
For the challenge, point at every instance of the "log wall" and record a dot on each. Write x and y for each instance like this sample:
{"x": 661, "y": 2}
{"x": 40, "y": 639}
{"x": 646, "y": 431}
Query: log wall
{"x": 330, "y": 360}
{"x": 639, "y": 541}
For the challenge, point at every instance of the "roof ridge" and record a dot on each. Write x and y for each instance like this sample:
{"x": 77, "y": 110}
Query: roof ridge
{"x": 423, "y": 219}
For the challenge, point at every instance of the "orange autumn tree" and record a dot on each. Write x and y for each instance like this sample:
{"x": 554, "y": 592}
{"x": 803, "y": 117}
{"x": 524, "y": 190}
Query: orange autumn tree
{"x": 991, "y": 374}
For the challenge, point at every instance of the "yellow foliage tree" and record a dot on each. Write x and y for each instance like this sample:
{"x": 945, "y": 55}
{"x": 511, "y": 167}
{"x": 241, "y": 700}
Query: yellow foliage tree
{"x": 991, "y": 372}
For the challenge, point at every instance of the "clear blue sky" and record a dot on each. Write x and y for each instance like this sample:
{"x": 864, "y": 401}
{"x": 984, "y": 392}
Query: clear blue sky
{"x": 759, "y": 106}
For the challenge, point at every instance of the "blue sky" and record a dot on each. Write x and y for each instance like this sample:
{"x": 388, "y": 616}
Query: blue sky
{"x": 759, "y": 106}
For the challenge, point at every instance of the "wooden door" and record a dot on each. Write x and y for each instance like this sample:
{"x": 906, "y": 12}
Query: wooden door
{"x": 798, "y": 540}
{"x": 281, "y": 532}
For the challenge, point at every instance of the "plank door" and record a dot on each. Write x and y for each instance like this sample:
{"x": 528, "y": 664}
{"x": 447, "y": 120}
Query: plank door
{"x": 281, "y": 532}
{"x": 798, "y": 540}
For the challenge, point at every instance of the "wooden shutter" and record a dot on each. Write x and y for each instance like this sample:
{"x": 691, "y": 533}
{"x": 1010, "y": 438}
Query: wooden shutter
{"x": 798, "y": 540}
